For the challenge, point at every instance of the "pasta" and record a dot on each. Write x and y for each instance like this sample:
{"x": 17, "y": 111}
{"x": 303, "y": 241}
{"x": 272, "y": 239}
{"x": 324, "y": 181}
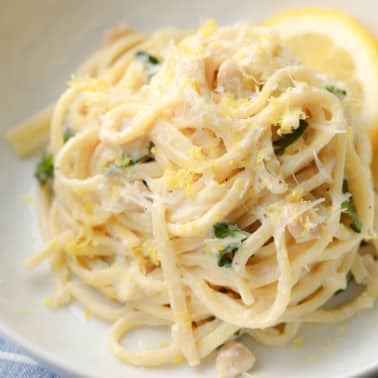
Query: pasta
{"x": 207, "y": 182}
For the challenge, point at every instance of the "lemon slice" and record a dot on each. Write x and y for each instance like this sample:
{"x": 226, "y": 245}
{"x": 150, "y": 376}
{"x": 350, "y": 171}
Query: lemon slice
{"x": 334, "y": 43}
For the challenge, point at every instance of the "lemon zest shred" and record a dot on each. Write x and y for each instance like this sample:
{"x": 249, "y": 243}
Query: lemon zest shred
{"x": 298, "y": 342}
{"x": 178, "y": 360}
{"x": 196, "y": 153}
{"x": 208, "y": 28}
{"x": 295, "y": 195}
{"x": 87, "y": 313}
{"x": 50, "y": 302}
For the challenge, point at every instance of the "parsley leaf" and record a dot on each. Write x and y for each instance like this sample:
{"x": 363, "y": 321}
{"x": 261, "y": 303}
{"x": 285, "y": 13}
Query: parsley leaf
{"x": 348, "y": 207}
{"x": 45, "y": 169}
{"x": 336, "y": 91}
{"x": 125, "y": 161}
{"x": 68, "y": 134}
{"x": 282, "y": 143}
{"x": 223, "y": 230}
{"x": 149, "y": 156}
{"x": 226, "y": 255}
{"x": 122, "y": 162}
{"x": 148, "y": 57}
{"x": 150, "y": 62}
{"x": 238, "y": 333}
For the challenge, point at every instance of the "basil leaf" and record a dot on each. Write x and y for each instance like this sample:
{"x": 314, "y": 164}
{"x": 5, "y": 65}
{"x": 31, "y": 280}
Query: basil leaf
{"x": 150, "y": 59}
{"x": 336, "y": 91}
{"x": 68, "y": 134}
{"x": 125, "y": 161}
{"x": 147, "y": 157}
{"x": 45, "y": 169}
{"x": 226, "y": 255}
{"x": 224, "y": 230}
{"x": 238, "y": 333}
{"x": 348, "y": 208}
{"x": 151, "y": 63}
{"x": 122, "y": 162}
{"x": 286, "y": 140}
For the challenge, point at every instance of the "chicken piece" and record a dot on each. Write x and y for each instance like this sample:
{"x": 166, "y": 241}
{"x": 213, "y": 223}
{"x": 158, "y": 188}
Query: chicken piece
{"x": 305, "y": 226}
{"x": 230, "y": 78}
{"x": 129, "y": 197}
{"x": 234, "y": 359}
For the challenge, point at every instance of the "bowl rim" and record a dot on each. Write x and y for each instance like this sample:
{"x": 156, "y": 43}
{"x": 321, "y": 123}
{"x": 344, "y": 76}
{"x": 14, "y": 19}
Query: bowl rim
{"x": 48, "y": 359}
{"x": 51, "y": 361}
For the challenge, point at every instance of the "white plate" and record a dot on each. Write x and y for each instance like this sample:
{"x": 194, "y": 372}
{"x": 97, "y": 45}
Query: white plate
{"x": 41, "y": 43}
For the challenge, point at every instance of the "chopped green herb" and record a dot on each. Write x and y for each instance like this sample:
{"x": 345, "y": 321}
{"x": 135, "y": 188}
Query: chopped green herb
{"x": 286, "y": 140}
{"x": 348, "y": 207}
{"x": 125, "y": 161}
{"x": 68, "y": 134}
{"x": 148, "y": 57}
{"x": 226, "y": 255}
{"x": 345, "y": 187}
{"x": 147, "y": 157}
{"x": 45, "y": 169}
{"x": 223, "y": 230}
{"x": 150, "y": 62}
{"x": 122, "y": 162}
{"x": 238, "y": 333}
{"x": 336, "y": 91}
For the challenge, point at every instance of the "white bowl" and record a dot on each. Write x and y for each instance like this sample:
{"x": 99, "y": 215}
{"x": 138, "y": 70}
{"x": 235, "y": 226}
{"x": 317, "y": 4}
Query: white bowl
{"x": 41, "y": 43}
